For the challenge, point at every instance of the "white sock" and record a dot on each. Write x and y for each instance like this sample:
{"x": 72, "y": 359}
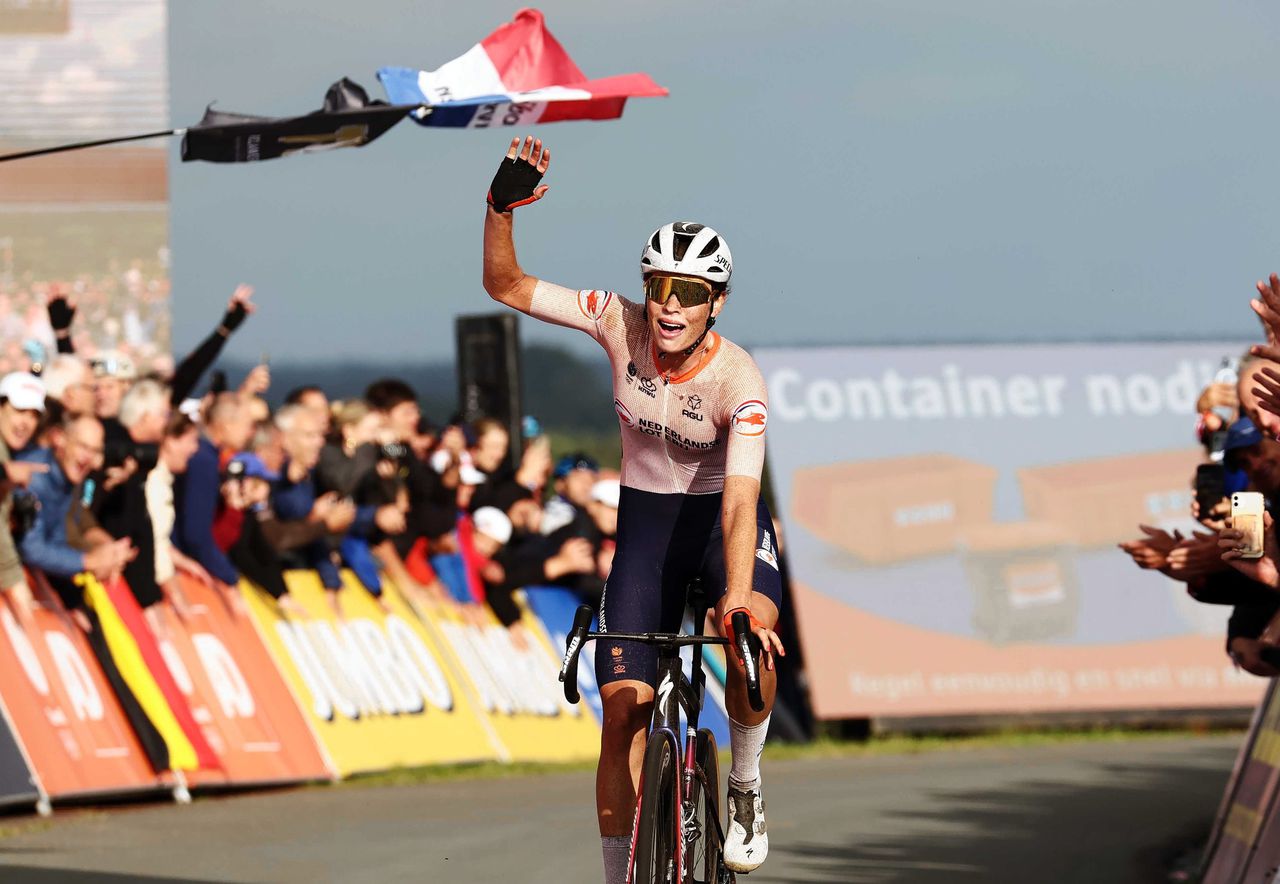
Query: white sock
{"x": 747, "y": 742}
{"x": 617, "y": 850}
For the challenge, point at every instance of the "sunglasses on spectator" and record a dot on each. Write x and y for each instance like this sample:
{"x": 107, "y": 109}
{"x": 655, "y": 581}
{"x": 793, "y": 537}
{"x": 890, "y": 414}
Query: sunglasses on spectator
{"x": 689, "y": 292}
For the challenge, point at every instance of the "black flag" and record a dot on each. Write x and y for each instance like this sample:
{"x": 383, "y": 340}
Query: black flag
{"x": 348, "y": 119}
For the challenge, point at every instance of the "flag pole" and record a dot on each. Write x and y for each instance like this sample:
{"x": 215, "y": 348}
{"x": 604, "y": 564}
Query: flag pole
{"x": 4, "y": 158}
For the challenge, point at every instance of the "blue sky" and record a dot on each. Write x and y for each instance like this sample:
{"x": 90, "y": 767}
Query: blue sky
{"x": 917, "y": 170}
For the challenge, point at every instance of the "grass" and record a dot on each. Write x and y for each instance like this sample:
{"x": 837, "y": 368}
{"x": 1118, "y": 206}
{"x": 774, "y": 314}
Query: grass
{"x": 824, "y": 747}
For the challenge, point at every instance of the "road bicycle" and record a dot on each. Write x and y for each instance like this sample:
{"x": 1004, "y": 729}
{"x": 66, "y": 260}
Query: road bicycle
{"x": 677, "y": 836}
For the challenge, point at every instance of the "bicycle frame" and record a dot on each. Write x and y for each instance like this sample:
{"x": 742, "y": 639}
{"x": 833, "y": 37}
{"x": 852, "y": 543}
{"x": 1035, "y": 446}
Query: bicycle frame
{"x": 674, "y": 693}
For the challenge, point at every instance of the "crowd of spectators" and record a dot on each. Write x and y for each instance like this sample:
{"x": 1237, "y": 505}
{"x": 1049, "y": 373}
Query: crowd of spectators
{"x": 146, "y": 476}
{"x": 125, "y": 309}
{"x": 1239, "y": 427}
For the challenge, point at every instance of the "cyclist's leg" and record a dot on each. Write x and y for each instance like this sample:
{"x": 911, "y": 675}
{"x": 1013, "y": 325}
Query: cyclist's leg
{"x": 765, "y": 603}
{"x": 746, "y": 839}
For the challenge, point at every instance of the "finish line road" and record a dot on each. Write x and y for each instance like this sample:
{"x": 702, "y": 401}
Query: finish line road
{"x": 1089, "y": 811}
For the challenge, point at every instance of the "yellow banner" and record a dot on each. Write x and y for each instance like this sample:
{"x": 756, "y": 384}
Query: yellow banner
{"x": 376, "y": 687}
{"x": 420, "y": 685}
{"x": 514, "y": 677}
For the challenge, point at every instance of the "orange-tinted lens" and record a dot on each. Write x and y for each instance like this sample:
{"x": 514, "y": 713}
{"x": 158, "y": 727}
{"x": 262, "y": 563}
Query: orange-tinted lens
{"x": 689, "y": 292}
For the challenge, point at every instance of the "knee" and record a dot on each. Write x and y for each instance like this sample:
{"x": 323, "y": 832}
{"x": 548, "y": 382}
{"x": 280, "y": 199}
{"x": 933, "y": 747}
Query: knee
{"x": 626, "y": 714}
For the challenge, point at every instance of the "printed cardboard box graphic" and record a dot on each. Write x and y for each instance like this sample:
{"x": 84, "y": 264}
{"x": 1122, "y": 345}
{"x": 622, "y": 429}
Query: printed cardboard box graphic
{"x": 895, "y": 508}
{"x": 1023, "y": 579}
{"x": 1099, "y": 502}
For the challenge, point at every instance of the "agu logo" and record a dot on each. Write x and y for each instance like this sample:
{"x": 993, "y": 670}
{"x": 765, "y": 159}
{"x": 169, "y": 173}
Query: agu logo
{"x": 624, "y": 413}
{"x": 593, "y": 303}
{"x": 750, "y": 418}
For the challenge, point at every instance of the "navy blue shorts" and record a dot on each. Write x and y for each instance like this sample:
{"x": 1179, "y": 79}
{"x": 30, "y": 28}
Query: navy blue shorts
{"x": 664, "y": 541}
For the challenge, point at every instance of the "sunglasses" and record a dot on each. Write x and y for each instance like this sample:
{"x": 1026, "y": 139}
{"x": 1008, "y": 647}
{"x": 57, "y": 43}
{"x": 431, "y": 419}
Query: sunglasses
{"x": 689, "y": 292}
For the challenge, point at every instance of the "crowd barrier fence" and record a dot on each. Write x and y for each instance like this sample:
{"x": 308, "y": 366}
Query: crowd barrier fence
{"x": 276, "y": 699}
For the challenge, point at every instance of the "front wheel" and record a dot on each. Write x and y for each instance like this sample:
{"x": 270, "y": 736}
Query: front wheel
{"x": 659, "y": 822}
{"x": 703, "y": 855}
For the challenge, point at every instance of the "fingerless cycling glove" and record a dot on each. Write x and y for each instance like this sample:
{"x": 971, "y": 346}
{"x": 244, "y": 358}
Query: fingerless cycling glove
{"x": 513, "y": 185}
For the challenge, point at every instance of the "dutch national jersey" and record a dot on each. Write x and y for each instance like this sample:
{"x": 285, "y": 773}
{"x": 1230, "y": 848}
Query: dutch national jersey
{"x": 681, "y": 434}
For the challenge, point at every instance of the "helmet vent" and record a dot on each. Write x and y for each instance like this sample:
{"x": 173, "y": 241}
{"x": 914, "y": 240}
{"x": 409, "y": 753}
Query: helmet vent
{"x": 681, "y": 243}
{"x": 710, "y": 248}
{"x": 653, "y": 243}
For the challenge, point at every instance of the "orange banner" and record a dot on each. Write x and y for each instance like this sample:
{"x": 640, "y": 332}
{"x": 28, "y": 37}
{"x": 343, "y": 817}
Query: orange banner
{"x": 236, "y": 693}
{"x": 64, "y": 712}
{"x": 858, "y": 668}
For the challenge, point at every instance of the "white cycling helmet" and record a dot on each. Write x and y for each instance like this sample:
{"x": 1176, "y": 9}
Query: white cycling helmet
{"x": 688, "y": 249}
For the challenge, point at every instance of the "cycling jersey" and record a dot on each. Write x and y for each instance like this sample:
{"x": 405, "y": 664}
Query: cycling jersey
{"x": 681, "y": 436}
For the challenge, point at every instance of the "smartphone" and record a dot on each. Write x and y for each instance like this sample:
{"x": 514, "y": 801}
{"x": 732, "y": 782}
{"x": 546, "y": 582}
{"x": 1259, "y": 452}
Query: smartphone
{"x": 1211, "y": 486}
{"x": 1246, "y": 517}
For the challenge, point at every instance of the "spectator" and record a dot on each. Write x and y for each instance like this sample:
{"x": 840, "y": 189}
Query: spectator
{"x": 46, "y": 545}
{"x": 432, "y": 513}
{"x": 312, "y": 398}
{"x": 574, "y": 475}
{"x": 180, "y": 441}
{"x": 113, "y": 372}
{"x": 197, "y": 493}
{"x": 123, "y": 512}
{"x": 294, "y": 495}
{"x": 21, "y": 405}
{"x": 69, "y": 380}
{"x": 256, "y": 536}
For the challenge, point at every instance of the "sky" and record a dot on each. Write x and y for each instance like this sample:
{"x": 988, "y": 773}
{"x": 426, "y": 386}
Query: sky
{"x": 884, "y": 172}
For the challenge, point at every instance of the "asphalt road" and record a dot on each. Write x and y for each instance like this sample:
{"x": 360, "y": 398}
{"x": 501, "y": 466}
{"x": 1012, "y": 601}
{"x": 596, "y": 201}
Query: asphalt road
{"x": 1093, "y": 812}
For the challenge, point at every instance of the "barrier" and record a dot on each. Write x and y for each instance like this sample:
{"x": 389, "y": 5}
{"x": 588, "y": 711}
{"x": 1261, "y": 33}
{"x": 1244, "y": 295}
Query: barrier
{"x": 62, "y": 710}
{"x": 376, "y": 689}
{"x": 1245, "y": 843}
{"x": 237, "y": 695}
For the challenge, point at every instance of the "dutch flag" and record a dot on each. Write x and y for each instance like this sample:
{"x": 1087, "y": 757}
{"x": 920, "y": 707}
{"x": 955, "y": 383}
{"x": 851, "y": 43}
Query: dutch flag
{"x": 518, "y": 75}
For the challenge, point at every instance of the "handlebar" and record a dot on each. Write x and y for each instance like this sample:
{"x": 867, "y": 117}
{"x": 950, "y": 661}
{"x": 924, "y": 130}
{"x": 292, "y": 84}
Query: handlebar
{"x": 744, "y": 640}
{"x": 573, "y": 644}
{"x": 748, "y": 647}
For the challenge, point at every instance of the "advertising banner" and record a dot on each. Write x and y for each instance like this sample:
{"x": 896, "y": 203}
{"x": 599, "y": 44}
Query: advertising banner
{"x": 62, "y": 708}
{"x": 377, "y": 689}
{"x": 951, "y": 517}
{"x": 514, "y": 674}
{"x": 236, "y": 694}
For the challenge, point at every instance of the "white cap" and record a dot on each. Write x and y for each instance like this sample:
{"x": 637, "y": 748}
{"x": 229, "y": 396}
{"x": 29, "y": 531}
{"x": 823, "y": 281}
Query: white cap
{"x": 492, "y": 522}
{"x": 607, "y": 491}
{"x": 24, "y": 391}
{"x": 469, "y": 475}
{"x": 191, "y": 408}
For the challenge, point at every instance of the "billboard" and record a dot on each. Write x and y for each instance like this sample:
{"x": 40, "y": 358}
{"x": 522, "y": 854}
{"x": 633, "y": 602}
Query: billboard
{"x": 951, "y": 515}
{"x": 91, "y": 223}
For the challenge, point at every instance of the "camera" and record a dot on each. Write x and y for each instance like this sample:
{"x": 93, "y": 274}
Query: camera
{"x": 396, "y": 451}
{"x": 117, "y": 451}
{"x": 23, "y": 514}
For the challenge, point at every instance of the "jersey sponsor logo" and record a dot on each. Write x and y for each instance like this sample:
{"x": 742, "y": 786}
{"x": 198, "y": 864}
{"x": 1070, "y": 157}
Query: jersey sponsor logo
{"x": 649, "y": 388}
{"x": 694, "y": 402}
{"x": 593, "y": 303}
{"x": 653, "y": 428}
{"x": 767, "y": 557}
{"x": 749, "y": 418}
{"x": 616, "y": 651}
{"x": 624, "y": 413}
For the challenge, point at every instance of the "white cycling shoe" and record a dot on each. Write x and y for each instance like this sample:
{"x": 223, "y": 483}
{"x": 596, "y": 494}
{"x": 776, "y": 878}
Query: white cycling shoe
{"x": 746, "y": 843}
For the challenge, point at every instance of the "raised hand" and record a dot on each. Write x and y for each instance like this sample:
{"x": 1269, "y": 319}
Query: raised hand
{"x": 1265, "y": 570}
{"x": 1267, "y": 306}
{"x": 516, "y": 183}
{"x": 1266, "y": 386}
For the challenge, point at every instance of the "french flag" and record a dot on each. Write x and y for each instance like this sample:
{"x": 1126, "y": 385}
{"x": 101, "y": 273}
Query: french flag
{"x": 518, "y": 75}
